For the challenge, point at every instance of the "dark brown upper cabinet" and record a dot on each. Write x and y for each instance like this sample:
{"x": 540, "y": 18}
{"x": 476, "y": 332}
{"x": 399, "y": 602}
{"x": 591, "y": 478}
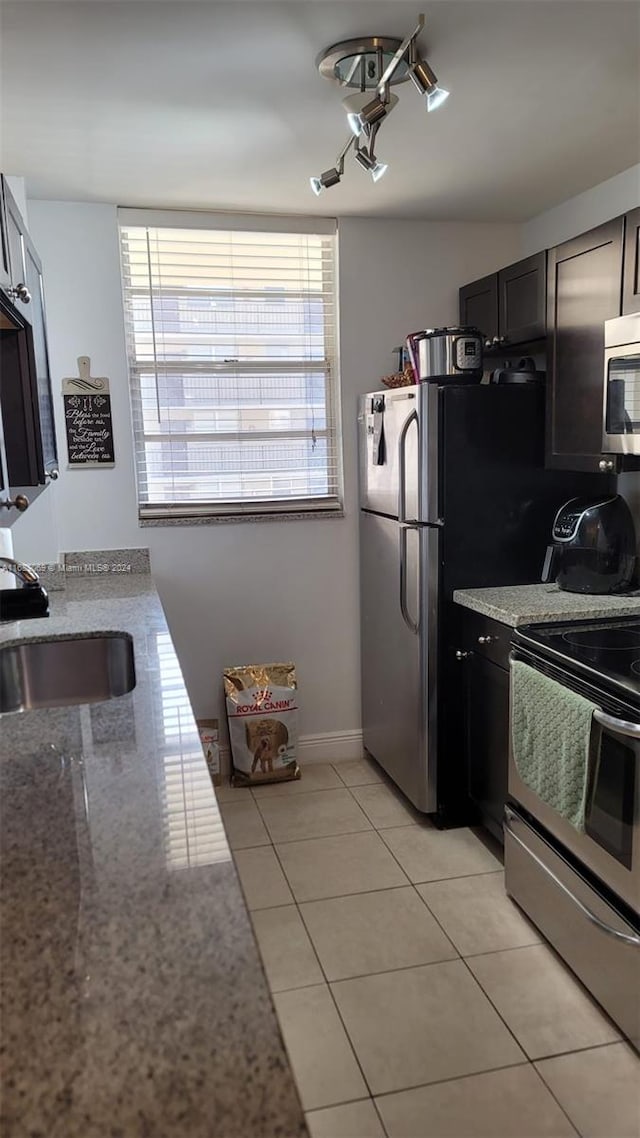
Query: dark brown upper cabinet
{"x": 631, "y": 277}
{"x": 16, "y": 236}
{"x": 5, "y": 271}
{"x": 43, "y": 410}
{"x": 479, "y": 306}
{"x": 18, "y": 399}
{"x": 522, "y": 298}
{"x": 584, "y": 290}
{"x": 26, "y": 403}
{"x": 508, "y": 307}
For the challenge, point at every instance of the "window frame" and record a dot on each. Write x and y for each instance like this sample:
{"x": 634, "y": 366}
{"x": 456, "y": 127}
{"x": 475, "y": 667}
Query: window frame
{"x": 329, "y": 505}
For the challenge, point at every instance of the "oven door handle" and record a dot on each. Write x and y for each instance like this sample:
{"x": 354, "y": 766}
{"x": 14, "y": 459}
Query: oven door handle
{"x": 618, "y": 726}
{"x": 593, "y": 917}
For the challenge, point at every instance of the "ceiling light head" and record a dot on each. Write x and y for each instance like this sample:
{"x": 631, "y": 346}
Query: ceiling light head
{"x": 425, "y": 79}
{"x": 373, "y": 112}
{"x": 369, "y": 162}
{"x": 353, "y": 105}
{"x": 329, "y": 178}
{"x": 436, "y": 98}
{"x": 363, "y": 111}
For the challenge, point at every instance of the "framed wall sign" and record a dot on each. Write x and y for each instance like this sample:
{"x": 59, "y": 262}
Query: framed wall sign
{"x": 87, "y": 418}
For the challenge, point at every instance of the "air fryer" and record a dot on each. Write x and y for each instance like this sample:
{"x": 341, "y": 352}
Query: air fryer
{"x": 594, "y": 547}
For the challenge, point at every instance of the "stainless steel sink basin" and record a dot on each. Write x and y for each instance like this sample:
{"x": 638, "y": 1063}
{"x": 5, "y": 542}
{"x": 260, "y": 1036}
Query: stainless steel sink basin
{"x": 54, "y": 673}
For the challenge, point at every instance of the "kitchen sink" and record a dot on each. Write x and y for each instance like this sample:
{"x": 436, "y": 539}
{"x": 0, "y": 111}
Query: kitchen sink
{"x": 67, "y": 670}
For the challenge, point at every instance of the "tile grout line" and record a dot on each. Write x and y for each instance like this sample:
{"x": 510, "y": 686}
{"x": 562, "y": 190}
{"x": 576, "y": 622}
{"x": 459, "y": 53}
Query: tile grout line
{"x": 529, "y": 1060}
{"x": 362, "y": 830}
{"x": 328, "y": 982}
{"x": 332, "y": 998}
{"x": 455, "y": 1079}
{"x": 562, "y": 1055}
{"x": 521, "y": 1049}
{"x": 372, "y": 1098}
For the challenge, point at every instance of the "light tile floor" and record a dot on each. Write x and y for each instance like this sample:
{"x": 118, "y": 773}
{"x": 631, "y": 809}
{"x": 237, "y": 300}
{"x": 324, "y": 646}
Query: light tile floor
{"x": 415, "y": 999}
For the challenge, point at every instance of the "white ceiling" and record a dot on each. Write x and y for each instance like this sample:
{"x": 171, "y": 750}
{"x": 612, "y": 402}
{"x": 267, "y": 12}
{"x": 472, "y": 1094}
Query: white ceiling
{"x": 219, "y": 105}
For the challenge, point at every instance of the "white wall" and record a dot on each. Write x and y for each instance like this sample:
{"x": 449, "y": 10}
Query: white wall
{"x": 577, "y": 215}
{"x": 240, "y": 592}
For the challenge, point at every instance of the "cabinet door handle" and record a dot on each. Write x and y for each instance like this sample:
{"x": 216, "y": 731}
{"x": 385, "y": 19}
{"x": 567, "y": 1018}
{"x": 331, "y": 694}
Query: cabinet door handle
{"x": 21, "y": 502}
{"x": 486, "y": 639}
{"x": 463, "y": 655}
{"x": 606, "y": 465}
{"x": 21, "y": 292}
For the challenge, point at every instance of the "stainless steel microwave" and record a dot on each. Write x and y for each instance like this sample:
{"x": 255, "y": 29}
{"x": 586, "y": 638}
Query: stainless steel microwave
{"x": 621, "y": 417}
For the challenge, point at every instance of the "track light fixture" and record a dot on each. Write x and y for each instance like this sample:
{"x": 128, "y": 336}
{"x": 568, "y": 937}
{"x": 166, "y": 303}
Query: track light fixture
{"x": 369, "y": 162}
{"x": 332, "y": 176}
{"x": 424, "y": 78}
{"x": 372, "y": 64}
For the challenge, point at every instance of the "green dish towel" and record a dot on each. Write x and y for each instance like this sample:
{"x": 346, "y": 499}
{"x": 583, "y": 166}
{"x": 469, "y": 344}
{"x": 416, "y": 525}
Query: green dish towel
{"x": 551, "y": 740}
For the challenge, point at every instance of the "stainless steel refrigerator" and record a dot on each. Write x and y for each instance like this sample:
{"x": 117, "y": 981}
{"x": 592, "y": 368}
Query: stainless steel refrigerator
{"x": 453, "y": 494}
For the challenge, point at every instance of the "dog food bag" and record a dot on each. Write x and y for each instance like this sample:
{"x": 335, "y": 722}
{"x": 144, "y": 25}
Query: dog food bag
{"x": 208, "y": 729}
{"x": 262, "y": 708}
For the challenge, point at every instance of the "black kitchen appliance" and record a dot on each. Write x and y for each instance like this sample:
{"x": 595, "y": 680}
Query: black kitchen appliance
{"x": 523, "y": 372}
{"x": 594, "y": 546}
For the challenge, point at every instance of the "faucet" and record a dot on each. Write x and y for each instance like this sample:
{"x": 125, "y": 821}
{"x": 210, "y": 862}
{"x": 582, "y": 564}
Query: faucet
{"x": 27, "y": 602}
{"x": 24, "y": 573}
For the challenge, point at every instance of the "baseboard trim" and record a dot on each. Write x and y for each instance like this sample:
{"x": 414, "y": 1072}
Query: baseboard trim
{"x": 331, "y": 747}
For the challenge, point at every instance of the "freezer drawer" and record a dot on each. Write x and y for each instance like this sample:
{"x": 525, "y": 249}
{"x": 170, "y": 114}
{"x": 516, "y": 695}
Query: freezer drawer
{"x": 598, "y": 944}
{"x": 399, "y": 573}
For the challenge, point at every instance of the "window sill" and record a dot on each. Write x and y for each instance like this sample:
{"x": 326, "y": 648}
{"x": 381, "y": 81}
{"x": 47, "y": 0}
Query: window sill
{"x": 238, "y": 519}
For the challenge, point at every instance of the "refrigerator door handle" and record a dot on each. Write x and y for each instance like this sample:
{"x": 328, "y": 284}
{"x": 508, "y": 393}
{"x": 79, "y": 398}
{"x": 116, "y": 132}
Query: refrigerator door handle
{"x": 412, "y": 625}
{"x": 402, "y": 473}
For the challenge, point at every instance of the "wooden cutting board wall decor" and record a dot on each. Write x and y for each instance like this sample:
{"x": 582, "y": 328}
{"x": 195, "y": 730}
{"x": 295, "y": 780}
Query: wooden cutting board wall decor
{"x": 87, "y": 418}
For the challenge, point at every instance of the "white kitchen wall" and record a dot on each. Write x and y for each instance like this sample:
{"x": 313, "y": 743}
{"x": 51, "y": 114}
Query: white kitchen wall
{"x": 240, "y": 592}
{"x": 578, "y": 214}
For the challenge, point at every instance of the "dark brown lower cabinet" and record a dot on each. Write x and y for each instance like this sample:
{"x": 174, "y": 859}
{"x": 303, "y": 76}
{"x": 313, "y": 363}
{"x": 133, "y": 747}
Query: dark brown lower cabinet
{"x": 487, "y": 739}
{"x": 484, "y": 670}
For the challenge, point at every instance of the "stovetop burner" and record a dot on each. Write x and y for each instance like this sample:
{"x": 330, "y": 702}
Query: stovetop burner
{"x": 604, "y": 650}
{"x": 604, "y": 639}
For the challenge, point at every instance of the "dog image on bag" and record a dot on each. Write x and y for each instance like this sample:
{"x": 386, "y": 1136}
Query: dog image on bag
{"x": 265, "y": 740}
{"x": 264, "y": 746}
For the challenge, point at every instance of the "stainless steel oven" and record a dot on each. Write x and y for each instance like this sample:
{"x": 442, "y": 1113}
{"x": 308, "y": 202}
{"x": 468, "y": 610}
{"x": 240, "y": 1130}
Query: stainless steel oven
{"x": 621, "y": 415}
{"x": 610, "y": 845}
{"x": 582, "y": 888}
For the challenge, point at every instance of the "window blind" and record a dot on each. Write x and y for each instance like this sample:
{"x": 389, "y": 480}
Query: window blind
{"x": 231, "y": 338}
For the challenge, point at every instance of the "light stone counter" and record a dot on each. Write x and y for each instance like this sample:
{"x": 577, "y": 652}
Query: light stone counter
{"x": 135, "y": 1004}
{"x": 536, "y": 604}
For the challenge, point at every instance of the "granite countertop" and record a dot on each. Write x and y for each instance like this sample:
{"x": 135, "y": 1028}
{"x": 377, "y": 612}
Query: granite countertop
{"x": 537, "y": 604}
{"x": 135, "y": 1003}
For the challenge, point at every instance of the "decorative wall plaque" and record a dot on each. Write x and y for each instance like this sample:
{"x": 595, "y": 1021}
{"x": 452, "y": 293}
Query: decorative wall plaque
{"x": 87, "y": 418}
